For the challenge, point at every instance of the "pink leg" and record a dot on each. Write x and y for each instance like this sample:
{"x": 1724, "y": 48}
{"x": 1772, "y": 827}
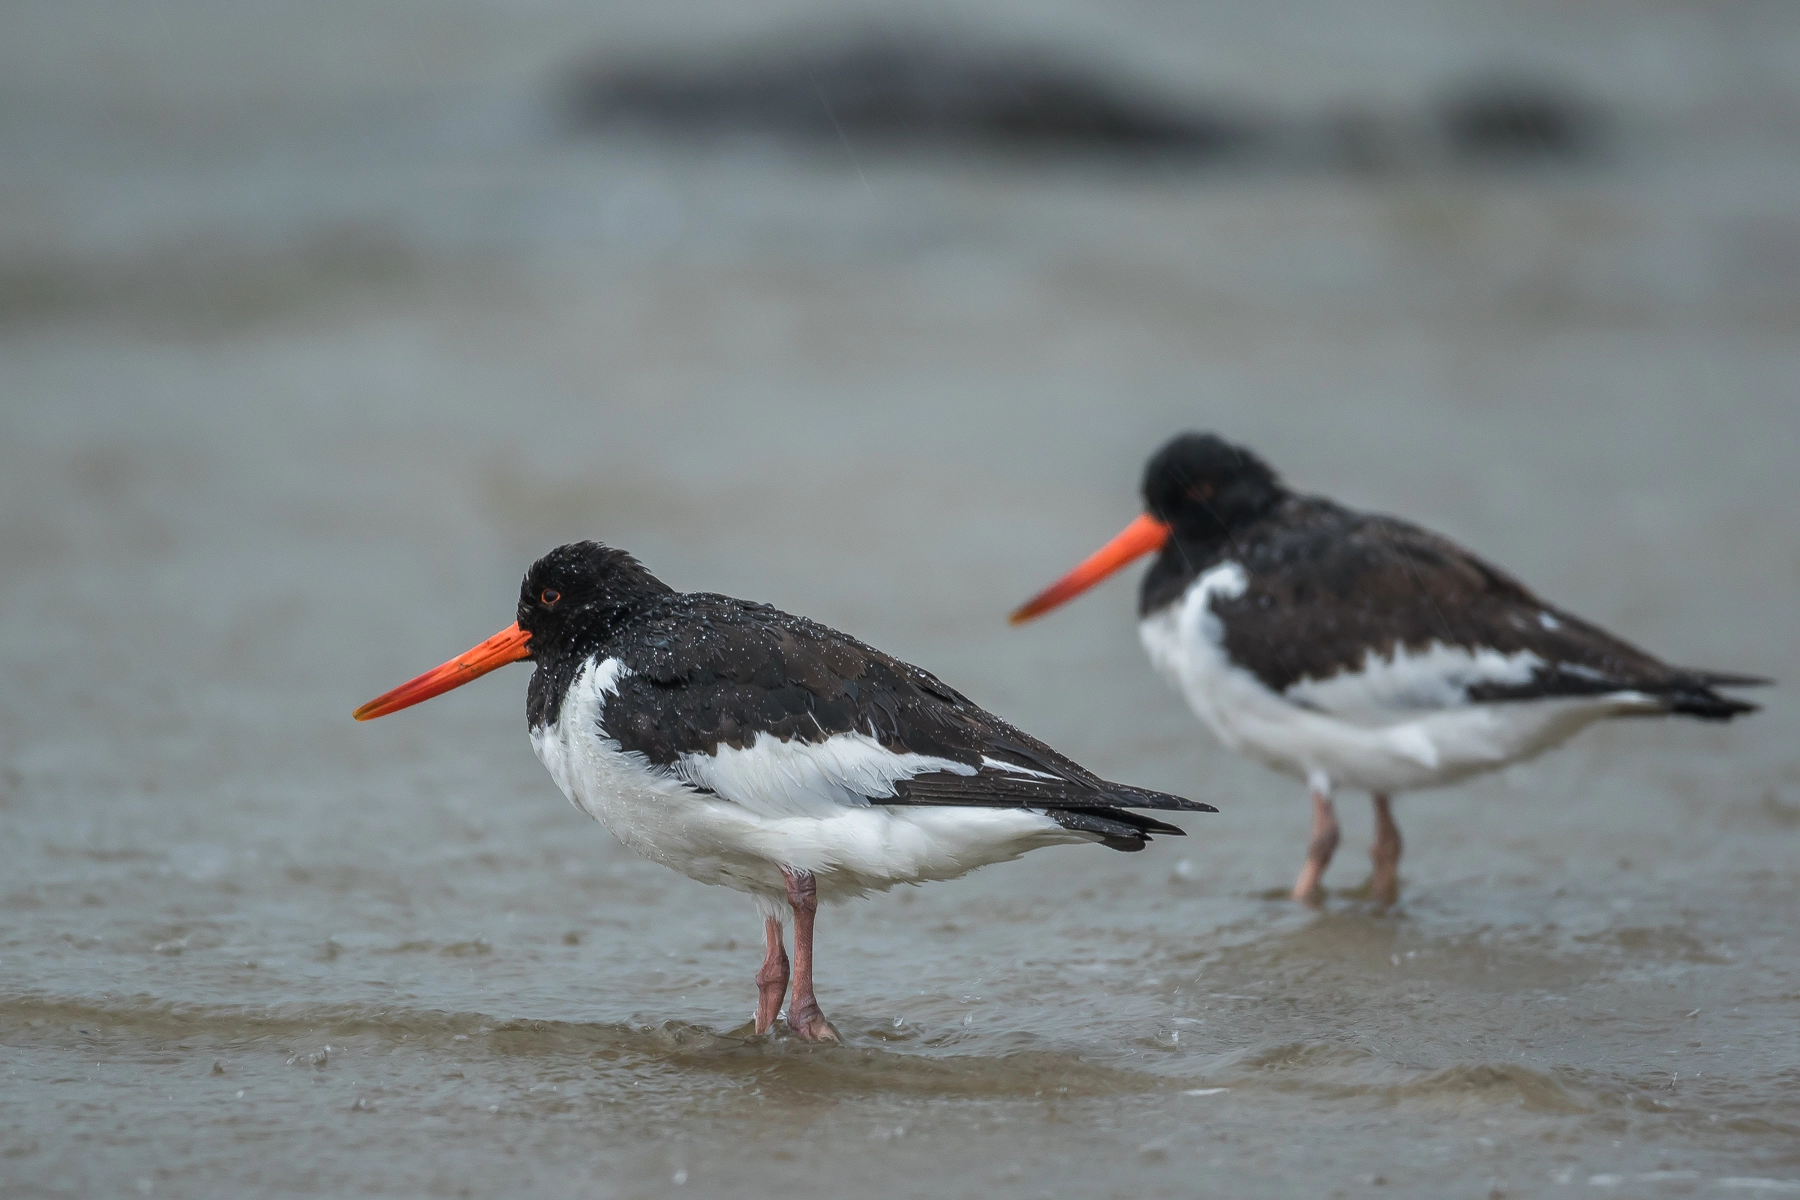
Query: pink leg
{"x": 772, "y": 980}
{"x": 1384, "y": 881}
{"x": 804, "y": 1017}
{"x": 1318, "y": 853}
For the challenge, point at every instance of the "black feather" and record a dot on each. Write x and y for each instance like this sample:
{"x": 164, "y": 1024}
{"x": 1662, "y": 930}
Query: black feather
{"x": 1003, "y": 789}
{"x": 1113, "y": 834}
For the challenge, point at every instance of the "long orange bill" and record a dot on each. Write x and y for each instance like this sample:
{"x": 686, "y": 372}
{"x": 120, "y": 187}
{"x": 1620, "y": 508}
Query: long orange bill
{"x": 504, "y": 647}
{"x": 1134, "y": 541}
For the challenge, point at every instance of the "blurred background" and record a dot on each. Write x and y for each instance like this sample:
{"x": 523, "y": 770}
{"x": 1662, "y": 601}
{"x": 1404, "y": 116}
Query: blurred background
{"x": 319, "y": 322}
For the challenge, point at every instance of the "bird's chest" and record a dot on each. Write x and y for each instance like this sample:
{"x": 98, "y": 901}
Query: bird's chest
{"x": 645, "y": 807}
{"x": 598, "y": 778}
{"x": 1185, "y": 642}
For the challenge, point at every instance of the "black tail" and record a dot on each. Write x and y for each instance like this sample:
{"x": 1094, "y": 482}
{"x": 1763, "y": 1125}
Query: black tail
{"x": 1120, "y": 828}
{"x": 1103, "y": 811}
{"x": 1117, "y": 828}
{"x": 993, "y": 789}
{"x": 1692, "y": 695}
{"x": 1133, "y": 797}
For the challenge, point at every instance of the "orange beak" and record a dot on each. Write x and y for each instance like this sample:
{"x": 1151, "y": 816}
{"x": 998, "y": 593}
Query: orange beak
{"x": 504, "y": 647}
{"x": 1134, "y": 541}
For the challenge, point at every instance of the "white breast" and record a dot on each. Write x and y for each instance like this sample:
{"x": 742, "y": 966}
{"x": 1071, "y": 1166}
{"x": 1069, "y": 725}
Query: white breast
{"x": 800, "y": 805}
{"x": 1392, "y": 724}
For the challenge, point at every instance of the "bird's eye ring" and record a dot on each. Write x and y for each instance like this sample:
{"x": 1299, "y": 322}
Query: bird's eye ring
{"x": 549, "y": 596}
{"x": 1201, "y": 491}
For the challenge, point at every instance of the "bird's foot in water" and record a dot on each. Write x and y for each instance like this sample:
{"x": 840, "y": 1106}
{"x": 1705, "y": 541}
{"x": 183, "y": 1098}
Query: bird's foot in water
{"x": 1383, "y": 888}
{"x": 807, "y": 1023}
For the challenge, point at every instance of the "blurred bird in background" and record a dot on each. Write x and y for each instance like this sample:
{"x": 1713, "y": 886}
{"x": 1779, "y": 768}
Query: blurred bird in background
{"x": 1355, "y": 650}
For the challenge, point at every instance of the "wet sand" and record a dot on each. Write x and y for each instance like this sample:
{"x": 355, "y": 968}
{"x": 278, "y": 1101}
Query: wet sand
{"x": 302, "y": 367}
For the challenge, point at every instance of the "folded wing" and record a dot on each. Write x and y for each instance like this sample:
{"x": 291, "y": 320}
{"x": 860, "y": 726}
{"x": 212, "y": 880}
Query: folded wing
{"x": 788, "y": 717}
{"x": 1364, "y": 615}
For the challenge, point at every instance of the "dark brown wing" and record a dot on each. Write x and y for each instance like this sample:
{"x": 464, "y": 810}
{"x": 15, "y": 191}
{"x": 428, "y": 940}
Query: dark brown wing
{"x": 705, "y": 672}
{"x": 1327, "y": 588}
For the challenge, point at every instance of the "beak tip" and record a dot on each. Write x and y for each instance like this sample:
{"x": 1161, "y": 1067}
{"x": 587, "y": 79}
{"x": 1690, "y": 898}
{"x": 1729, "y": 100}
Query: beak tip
{"x": 507, "y": 646}
{"x": 1137, "y": 539}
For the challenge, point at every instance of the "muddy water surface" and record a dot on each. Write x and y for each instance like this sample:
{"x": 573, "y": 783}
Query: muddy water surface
{"x": 316, "y": 334}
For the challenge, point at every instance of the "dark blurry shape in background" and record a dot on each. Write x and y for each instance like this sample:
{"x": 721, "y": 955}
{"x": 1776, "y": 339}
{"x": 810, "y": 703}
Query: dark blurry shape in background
{"x": 1517, "y": 118}
{"x": 912, "y": 90}
{"x": 890, "y": 89}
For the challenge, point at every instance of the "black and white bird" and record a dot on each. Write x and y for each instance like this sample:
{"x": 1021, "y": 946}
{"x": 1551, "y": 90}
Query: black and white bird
{"x": 1359, "y": 651}
{"x": 746, "y": 747}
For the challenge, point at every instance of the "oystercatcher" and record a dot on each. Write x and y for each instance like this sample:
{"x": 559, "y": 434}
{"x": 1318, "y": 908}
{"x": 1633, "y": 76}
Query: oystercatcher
{"x": 1360, "y": 651}
{"x": 746, "y": 747}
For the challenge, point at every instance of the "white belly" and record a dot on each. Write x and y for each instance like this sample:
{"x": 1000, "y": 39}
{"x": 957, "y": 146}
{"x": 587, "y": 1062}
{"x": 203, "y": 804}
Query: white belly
{"x": 851, "y": 849}
{"x": 1377, "y": 743}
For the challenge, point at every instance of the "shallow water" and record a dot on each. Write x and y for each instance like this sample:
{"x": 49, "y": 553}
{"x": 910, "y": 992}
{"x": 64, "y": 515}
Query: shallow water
{"x": 313, "y": 335}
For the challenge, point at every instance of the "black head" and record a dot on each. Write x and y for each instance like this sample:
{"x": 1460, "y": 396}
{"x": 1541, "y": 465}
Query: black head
{"x": 573, "y": 599}
{"x": 1201, "y": 486}
{"x": 1197, "y": 489}
{"x": 575, "y": 596}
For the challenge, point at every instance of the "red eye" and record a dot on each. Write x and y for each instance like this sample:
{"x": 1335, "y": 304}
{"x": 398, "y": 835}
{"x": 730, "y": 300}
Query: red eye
{"x": 1201, "y": 491}
{"x": 549, "y": 597}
